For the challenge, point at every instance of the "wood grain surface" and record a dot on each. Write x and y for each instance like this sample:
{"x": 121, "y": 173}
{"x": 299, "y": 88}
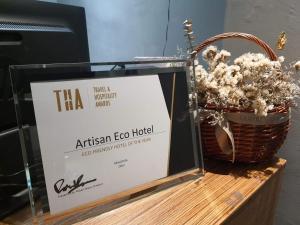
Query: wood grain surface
{"x": 228, "y": 194}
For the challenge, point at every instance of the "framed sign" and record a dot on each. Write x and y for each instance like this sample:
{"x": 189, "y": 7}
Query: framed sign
{"x": 95, "y": 135}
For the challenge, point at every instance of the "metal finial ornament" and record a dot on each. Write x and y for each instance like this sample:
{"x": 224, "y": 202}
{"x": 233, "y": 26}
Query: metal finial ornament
{"x": 282, "y": 39}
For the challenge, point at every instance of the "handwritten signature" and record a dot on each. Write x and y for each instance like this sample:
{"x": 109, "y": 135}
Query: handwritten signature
{"x": 59, "y": 186}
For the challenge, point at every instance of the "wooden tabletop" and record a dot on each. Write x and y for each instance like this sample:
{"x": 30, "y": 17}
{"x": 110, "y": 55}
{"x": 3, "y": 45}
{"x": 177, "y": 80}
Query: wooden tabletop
{"x": 227, "y": 194}
{"x": 223, "y": 190}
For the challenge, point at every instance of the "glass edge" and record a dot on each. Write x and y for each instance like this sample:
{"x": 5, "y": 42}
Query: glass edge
{"x": 83, "y": 64}
{"x": 13, "y": 74}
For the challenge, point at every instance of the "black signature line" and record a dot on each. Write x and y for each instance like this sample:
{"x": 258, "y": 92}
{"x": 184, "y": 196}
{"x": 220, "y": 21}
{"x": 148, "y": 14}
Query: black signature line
{"x": 60, "y": 185}
{"x": 82, "y": 185}
{"x": 75, "y": 150}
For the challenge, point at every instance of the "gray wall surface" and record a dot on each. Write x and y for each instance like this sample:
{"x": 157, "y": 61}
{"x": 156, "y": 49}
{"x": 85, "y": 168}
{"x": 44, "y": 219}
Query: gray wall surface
{"x": 267, "y": 19}
{"x": 120, "y": 30}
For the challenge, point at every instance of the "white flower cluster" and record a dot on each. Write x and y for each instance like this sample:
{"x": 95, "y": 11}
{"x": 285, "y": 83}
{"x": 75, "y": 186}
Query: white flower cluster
{"x": 252, "y": 82}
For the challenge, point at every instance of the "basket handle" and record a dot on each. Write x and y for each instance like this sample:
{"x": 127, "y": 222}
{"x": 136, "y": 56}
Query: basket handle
{"x": 272, "y": 55}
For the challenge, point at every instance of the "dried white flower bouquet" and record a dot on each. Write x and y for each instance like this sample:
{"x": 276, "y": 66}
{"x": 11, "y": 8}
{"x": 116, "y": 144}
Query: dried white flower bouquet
{"x": 252, "y": 82}
{"x": 243, "y": 107}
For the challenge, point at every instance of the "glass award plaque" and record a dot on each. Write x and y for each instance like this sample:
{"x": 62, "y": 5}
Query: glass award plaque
{"x": 95, "y": 136}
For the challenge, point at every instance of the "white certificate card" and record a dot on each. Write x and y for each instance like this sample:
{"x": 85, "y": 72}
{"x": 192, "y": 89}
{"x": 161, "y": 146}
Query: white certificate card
{"x": 100, "y": 136}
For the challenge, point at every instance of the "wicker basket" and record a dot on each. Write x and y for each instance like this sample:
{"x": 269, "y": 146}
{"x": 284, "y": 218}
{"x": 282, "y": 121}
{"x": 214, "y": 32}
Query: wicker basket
{"x": 252, "y": 142}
